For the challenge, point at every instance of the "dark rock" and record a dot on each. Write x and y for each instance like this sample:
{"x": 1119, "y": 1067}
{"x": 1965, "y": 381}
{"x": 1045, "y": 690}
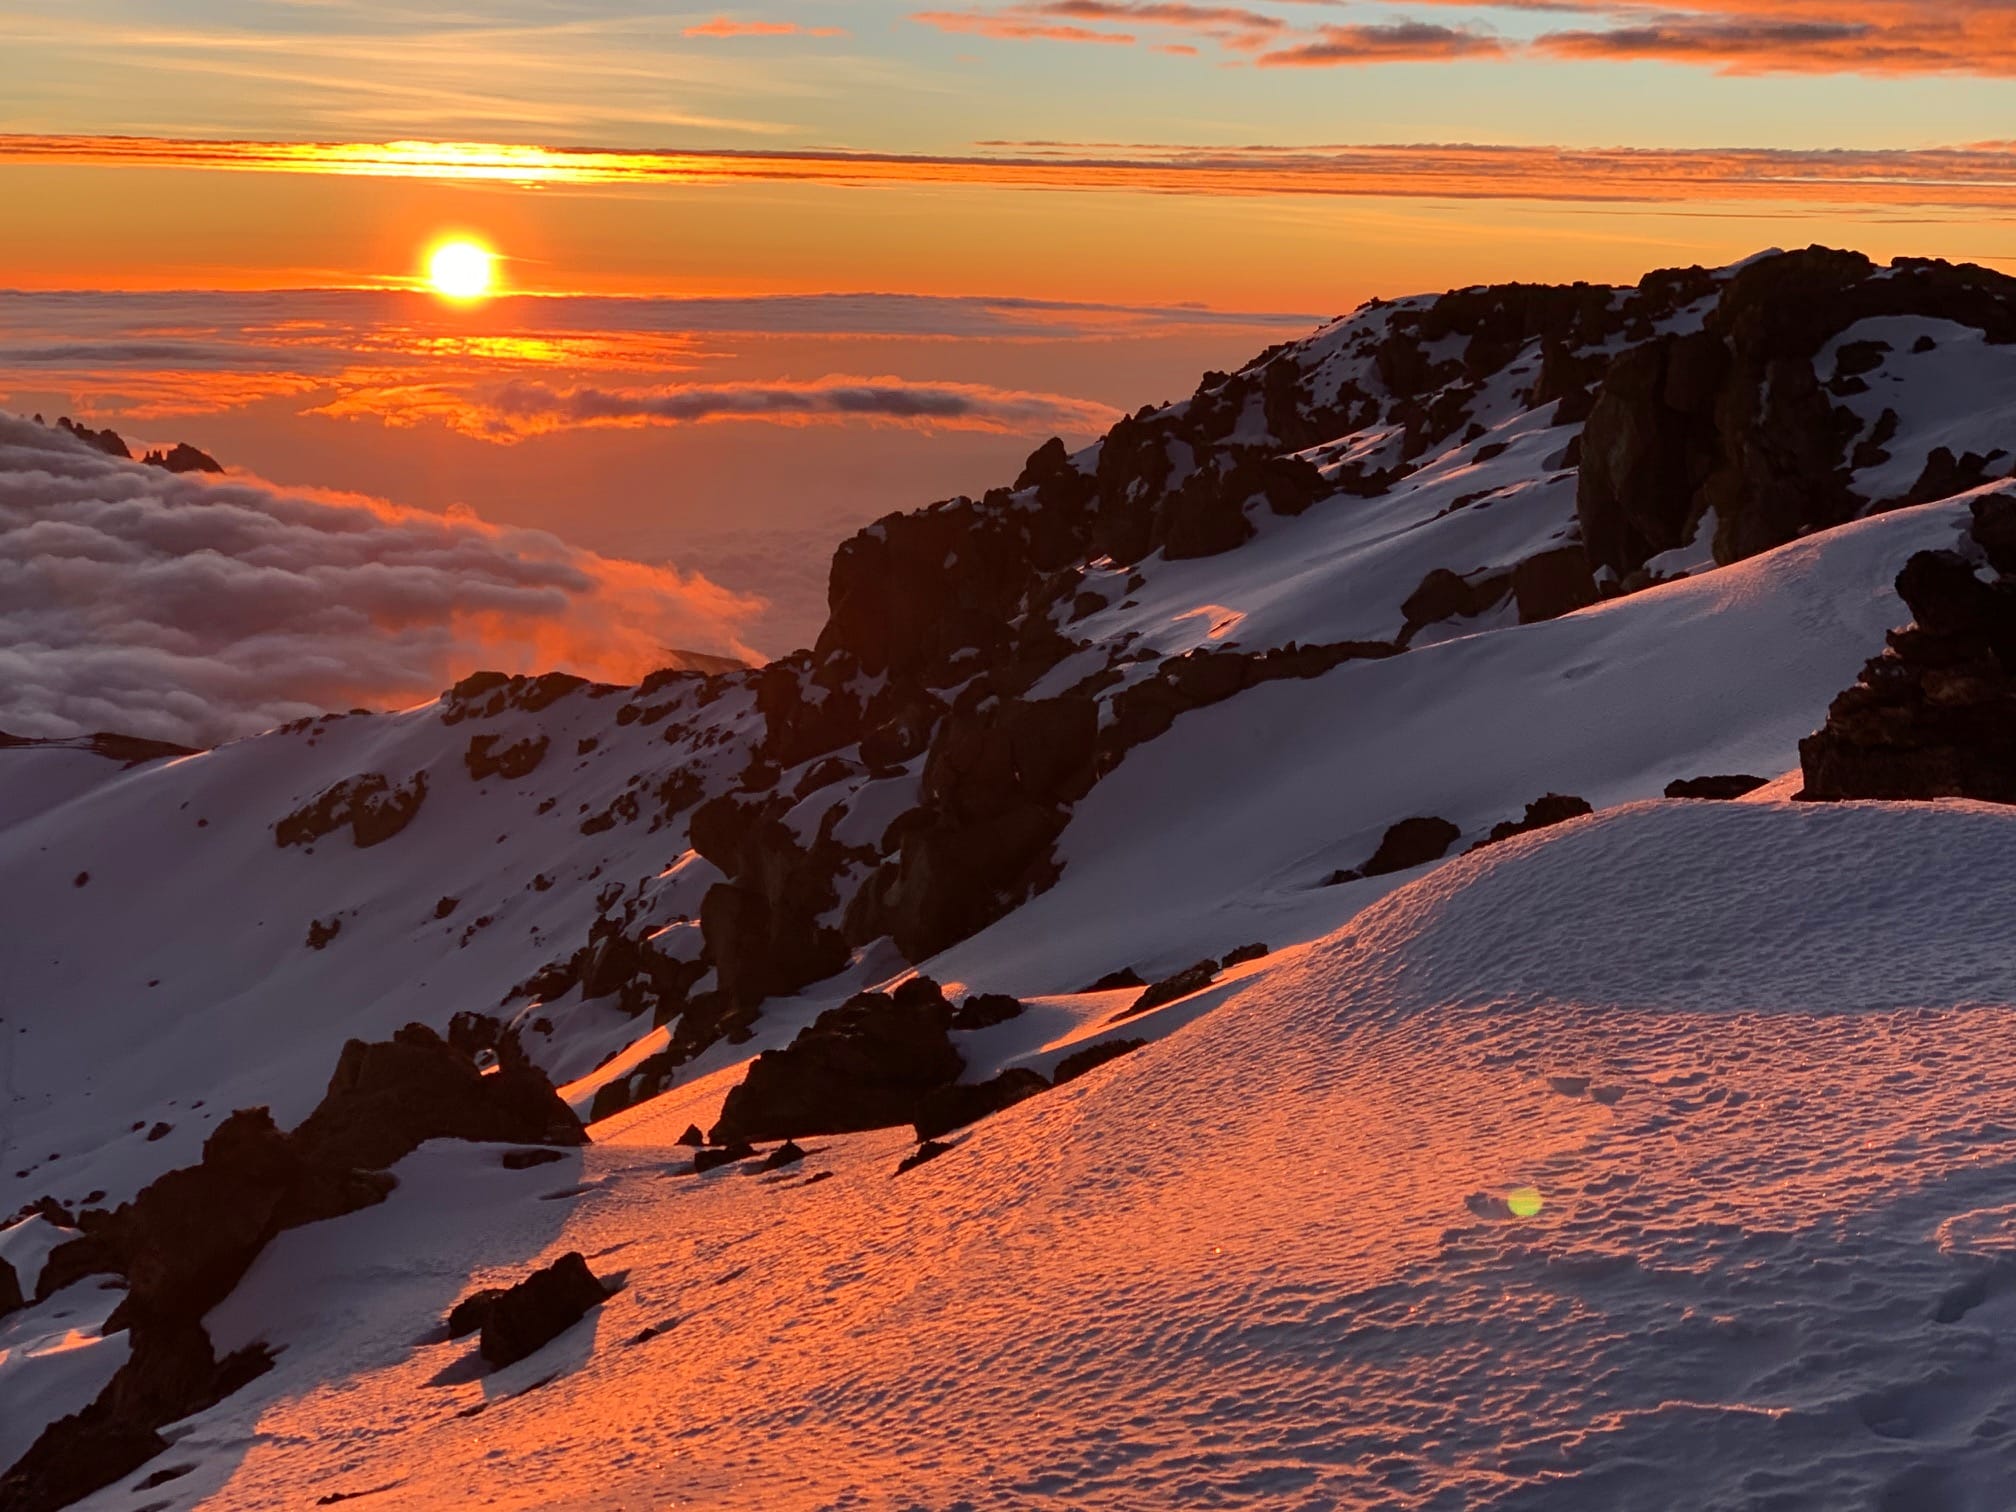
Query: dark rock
{"x": 160, "y": 1131}
{"x": 692, "y": 1136}
{"x": 519, "y": 759}
{"x": 1115, "y": 981}
{"x": 1190, "y": 979}
{"x": 1443, "y": 595}
{"x": 1541, "y": 813}
{"x": 10, "y": 1290}
{"x": 183, "y": 458}
{"x": 322, "y": 931}
{"x": 930, "y": 1149}
{"x": 522, "y": 1319}
{"x": 1242, "y": 955}
{"x": 387, "y": 1098}
{"x": 1722, "y": 788}
{"x": 525, "y": 1160}
{"x": 1078, "y": 1062}
{"x": 1935, "y": 715}
{"x": 370, "y": 805}
{"x": 1411, "y": 843}
{"x": 983, "y": 1010}
{"x": 730, "y": 1152}
{"x": 867, "y": 1064}
{"x": 1552, "y": 584}
{"x": 953, "y": 1107}
{"x": 788, "y": 1153}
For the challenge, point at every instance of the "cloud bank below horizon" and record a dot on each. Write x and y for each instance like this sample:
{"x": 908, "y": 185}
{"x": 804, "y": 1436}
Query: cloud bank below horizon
{"x": 136, "y": 601}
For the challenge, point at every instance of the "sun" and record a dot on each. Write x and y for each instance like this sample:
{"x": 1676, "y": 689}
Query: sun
{"x": 462, "y": 269}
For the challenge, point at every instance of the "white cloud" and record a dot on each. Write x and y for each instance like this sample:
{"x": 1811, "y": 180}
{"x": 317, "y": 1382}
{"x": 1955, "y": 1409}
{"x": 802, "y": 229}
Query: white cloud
{"x": 137, "y": 601}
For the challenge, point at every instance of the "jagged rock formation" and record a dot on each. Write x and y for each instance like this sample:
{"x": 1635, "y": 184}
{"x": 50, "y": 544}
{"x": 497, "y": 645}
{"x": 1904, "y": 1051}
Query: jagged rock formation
{"x": 188, "y": 1238}
{"x": 1935, "y": 715}
{"x": 518, "y": 1320}
{"x": 1736, "y": 420}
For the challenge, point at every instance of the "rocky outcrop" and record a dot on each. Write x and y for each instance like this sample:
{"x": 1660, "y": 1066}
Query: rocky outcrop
{"x": 183, "y": 458}
{"x": 1406, "y": 845}
{"x": 387, "y": 1098}
{"x": 373, "y": 808}
{"x": 868, "y": 1064}
{"x": 1736, "y": 419}
{"x": 1935, "y": 715}
{"x": 519, "y": 1320}
{"x": 1719, "y": 788}
{"x": 1541, "y": 813}
{"x": 187, "y": 1239}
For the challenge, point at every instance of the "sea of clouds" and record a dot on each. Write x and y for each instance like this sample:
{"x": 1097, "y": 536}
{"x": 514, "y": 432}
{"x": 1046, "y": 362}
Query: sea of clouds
{"x": 195, "y": 610}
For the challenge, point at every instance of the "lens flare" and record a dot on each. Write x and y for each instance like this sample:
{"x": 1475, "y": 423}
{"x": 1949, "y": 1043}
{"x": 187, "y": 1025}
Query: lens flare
{"x": 462, "y": 270}
{"x": 1525, "y": 1202}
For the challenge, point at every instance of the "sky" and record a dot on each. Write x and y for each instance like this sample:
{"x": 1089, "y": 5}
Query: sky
{"x": 769, "y": 271}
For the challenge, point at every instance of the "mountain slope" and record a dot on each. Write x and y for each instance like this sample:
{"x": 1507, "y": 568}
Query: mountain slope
{"x": 1205, "y": 684}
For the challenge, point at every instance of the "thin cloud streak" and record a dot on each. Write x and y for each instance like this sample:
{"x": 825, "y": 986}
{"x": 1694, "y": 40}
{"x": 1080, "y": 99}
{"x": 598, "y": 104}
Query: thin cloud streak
{"x": 1976, "y": 176}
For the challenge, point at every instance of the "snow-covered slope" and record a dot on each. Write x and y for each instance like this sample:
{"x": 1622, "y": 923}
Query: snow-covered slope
{"x": 1157, "y": 701}
{"x": 1749, "y": 1057}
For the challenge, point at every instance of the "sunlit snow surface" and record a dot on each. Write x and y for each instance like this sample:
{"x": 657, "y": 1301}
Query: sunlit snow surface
{"x": 1757, "y": 1059}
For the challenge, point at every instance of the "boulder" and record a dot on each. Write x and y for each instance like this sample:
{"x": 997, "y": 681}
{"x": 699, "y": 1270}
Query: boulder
{"x": 944, "y": 1109}
{"x": 867, "y": 1064}
{"x": 1179, "y": 985}
{"x": 388, "y": 1097}
{"x": 1541, "y": 813}
{"x": 1715, "y": 788}
{"x": 1078, "y": 1062}
{"x": 519, "y": 1320}
{"x": 1411, "y": 843}
{"x": 1935, "y": 715}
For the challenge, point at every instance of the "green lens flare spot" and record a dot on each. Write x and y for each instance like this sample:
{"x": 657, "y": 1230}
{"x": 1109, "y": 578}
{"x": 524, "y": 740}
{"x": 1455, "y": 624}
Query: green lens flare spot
{"x": 1525, "y": 1202}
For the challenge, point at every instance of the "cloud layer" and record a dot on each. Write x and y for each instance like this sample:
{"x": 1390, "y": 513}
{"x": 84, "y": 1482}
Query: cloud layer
{"x": 1977, "y": 175}
{"x": 136, "y": 601}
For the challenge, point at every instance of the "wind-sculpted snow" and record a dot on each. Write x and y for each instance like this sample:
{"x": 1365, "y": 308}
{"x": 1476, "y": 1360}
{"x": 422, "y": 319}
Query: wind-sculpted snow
{"x": 138, "y": 601}
{"x": 1461, "y": 1207}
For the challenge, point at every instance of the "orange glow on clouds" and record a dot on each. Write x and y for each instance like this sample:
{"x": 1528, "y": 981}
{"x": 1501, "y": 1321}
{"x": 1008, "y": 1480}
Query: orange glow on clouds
{"x": 1975, "y": 175}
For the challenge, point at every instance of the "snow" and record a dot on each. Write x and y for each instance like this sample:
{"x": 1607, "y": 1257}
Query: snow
{"x": 1958, "y": 395}
{"x": 1270, "y": 1260}
{"x": 53, "y": 1360}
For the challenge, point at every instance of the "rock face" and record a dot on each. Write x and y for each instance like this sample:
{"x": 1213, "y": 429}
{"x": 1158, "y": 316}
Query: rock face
{"x": 387, "y": 1098}
{"x": 371, "y": 805}
{"x": 1935, "y": 715}
{"x": 1721, "y": 788}
{"x": 1541, "y": 813}
{"x": 1737, "y": 420}
{"x": 868, "y": 1064}
{"x": 185, "y": 1241}
{"x": 520, "y": 1320}
{"x": 1411, "y": 843}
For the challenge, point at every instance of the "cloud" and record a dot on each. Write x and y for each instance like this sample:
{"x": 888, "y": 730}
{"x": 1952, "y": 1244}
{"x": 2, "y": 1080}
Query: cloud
{"x": 723, "y": 26}
{"x": 1961, "y": 177}
{"x": 515, "y": 410}
{"x": 1397, "y": 42}
{"x": 404, "y": 359}
{"x": 194, "y": 611}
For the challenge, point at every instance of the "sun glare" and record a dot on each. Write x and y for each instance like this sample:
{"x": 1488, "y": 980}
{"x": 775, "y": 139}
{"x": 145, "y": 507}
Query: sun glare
{"x": 462, "y": 270}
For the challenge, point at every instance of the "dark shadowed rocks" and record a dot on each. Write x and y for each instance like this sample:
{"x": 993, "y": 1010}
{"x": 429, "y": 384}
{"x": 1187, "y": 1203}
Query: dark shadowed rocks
{"x": 944, "y": 1109}
{"x": 1541, "y": 813}
{"x": 387, "y": 1098}
{"x": 517, "y": 1321}
{"x": 371, "y": 806}
{"x": 1935, "y": 715}
{"x": 1178, "y": 985}
{"x": 1078, "y": 1062}
{"x": 183, "y": 458}
{"x": 1411, "y": 843}
{"x": 1553, "y": 583}
{"x": 1719, "y": 788}
{"x": 983, "y": 1010}
{"x": 867, "y": 1064}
